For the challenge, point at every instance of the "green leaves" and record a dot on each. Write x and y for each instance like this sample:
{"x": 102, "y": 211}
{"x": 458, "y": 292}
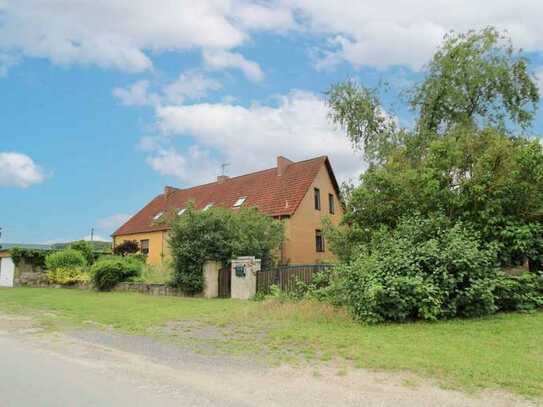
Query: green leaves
{"x": 219, "y": 234}
{"x": 358, "y": 111}
{"x": 475, "y": 79}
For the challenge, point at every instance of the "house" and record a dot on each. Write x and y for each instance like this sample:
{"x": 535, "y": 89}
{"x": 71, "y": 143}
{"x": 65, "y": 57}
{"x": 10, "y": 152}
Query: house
{"x": 300, "y": 193}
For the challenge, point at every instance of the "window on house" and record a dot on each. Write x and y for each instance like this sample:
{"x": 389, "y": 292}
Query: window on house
{"x": 181, "y": 211}
{"x": 317, "y": 199}
{"x": 319, "y": 241}
{"x": 144, "y": 247}
{"x": 157, "y": 216}
{"x": 331, "y": 204}
{"x": 240, "y": 201}
{"x": 209, "y": 205}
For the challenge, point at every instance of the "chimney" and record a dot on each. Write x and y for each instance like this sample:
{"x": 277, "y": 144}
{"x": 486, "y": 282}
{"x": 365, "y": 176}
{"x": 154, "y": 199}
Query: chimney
{"x": 282, "y": 164}
{"x": 168, "y": 191}
{"x": 222, "y": 178}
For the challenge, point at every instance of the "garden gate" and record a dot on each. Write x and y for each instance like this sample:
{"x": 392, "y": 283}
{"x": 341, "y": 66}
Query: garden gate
{"x": 225, "y": 282}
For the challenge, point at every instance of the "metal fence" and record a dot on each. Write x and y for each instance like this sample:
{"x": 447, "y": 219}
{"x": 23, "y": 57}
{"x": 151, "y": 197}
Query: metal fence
{"x": 286, "y": 277}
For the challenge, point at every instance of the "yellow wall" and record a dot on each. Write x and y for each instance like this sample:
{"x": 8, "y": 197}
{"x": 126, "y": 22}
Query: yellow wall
{"x": 158, "y": 245}
{"x": 299, "y": 246}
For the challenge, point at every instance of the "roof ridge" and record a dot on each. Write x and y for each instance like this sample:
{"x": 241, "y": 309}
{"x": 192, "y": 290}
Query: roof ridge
{"x": 250, "y": 173}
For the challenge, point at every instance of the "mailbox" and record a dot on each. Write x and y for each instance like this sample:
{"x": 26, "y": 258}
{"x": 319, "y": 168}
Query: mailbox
{"x": 240, "y": 270}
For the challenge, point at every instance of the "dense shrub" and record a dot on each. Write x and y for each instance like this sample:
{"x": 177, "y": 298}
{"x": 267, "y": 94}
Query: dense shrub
{"x": 68, "y": 275}
{"x": 424, "y": 269}
{"x": 126, "y": 247}
{"x": 111, "y": 270}
{"x": 326, "y": 286}
{"x": 519, "y": 293}
{"x": 33, "y": 257}
{"x": 85, "y": 248}
{"x": 65, "y": 258}
{"x": 219, "y": 234}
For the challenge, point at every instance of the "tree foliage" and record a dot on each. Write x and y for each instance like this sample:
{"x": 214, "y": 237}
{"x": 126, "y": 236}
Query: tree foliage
{"x": 475, "y": 78}
{"x": 460, "y": 159}
{"x": 33, "y": 257}
{"x": 85, "y": 248}
{"x": 444, "y": 202}
{"x": 219, "y": 234}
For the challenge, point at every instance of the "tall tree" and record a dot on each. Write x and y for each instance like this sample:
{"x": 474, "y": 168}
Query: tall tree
{"x": 463, "y": 158}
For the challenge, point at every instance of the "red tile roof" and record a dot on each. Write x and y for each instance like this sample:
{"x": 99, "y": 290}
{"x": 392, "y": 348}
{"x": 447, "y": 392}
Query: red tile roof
{"x": 272, "y": 194}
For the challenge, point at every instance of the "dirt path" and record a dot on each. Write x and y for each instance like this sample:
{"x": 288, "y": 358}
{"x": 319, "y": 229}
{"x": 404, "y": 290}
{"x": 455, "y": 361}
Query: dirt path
{"x": 137, "y": 370}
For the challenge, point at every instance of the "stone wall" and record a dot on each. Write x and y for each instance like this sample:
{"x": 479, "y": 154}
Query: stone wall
{"x": 152, "y": 289}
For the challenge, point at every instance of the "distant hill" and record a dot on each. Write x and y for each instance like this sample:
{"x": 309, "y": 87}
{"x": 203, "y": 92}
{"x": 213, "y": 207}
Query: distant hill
{"x": 98, "y": 246}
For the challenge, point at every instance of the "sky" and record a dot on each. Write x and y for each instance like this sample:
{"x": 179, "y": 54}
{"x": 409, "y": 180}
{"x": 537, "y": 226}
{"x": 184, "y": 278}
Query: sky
{"x": 104, "y": 102}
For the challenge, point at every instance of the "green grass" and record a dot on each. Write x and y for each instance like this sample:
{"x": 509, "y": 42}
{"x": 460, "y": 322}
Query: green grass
{"x": 499, "y": 352}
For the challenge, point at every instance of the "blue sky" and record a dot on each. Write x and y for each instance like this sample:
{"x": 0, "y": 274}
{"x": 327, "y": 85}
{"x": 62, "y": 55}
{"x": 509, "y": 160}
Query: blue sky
{"x": 104, "y": 103}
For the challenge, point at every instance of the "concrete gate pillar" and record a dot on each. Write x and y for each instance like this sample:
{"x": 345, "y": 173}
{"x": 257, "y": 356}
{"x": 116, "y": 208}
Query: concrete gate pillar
{"x": 211, "y": 279}
{"x": 244, "y": 271}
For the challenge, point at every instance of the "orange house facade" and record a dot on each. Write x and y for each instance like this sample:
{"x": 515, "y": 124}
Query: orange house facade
{"x": 301, "y": 194}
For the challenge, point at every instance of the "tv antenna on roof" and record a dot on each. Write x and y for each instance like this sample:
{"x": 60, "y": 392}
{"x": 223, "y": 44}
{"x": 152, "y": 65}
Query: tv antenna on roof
{"x": 223, "y": 168}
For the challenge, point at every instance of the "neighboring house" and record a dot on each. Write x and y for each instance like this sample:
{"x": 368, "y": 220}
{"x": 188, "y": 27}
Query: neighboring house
{"x": 300, "y": 193}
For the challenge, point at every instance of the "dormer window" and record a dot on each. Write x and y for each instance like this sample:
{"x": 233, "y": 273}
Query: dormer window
{"x": 181, "y": 211}
{"x": 209, "y": 205}
{"x": 157, "y": 216}
{"x": 240, "y": 201}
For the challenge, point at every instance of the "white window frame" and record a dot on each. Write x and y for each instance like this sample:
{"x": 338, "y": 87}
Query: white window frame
{"x": 181, "y": 211}
{"x": 209, "y": 205}
{"x": 241, "y": 200}
{"x": 158, "y": 215}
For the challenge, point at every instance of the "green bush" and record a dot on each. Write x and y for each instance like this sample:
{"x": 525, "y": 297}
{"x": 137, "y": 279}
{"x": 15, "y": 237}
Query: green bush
{"x": 519, "y": 293}
{"x": 424, "y": 269}
{"x": 111, "y": 270}
{"x": 85, "y": 248}
{"x": 68, "y": 275}
{"x": 67, "y": 258}
{"x": 33, "y": 257}
{"x": 219, "y": 234}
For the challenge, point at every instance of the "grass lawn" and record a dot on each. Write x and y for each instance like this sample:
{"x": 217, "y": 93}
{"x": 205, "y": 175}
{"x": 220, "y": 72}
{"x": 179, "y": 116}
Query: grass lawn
{"x": 502, "y": 352}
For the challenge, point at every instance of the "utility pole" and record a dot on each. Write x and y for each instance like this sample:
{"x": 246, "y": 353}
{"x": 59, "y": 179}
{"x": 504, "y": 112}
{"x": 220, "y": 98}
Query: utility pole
{"x": 0, "y": 237}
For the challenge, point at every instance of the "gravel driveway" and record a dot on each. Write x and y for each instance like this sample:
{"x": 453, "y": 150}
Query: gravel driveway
{"x": 101, "y": 368}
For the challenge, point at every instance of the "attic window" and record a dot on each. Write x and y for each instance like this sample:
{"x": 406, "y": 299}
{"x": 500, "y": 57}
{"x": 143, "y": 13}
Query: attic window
{"x": 157, "y": 216}
{"x": 209, "y": 205}
{"x": 240, "y": 201}
{"x": 181, "y": 211}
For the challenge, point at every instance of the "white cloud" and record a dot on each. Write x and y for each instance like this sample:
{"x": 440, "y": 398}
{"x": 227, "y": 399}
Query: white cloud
{"x": 249, "y": 138}
{"x": 259, "y": 17}
{"x": 539, "y": 79}
{"x": 125, "y": 34}
{"x": 116, "y": 33}
{"x": 95, "y": 238}
{"x": 188, "y": 86}
{"x": 6, "y": 62}
{"x": 19, "y": 170}
{"x": 113, "y": 222}
{"x": 391, "y": 32}
{"x": 136, "y": 95}
{"x": 195, "y": 166}
{"x": 220, "y": 59}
